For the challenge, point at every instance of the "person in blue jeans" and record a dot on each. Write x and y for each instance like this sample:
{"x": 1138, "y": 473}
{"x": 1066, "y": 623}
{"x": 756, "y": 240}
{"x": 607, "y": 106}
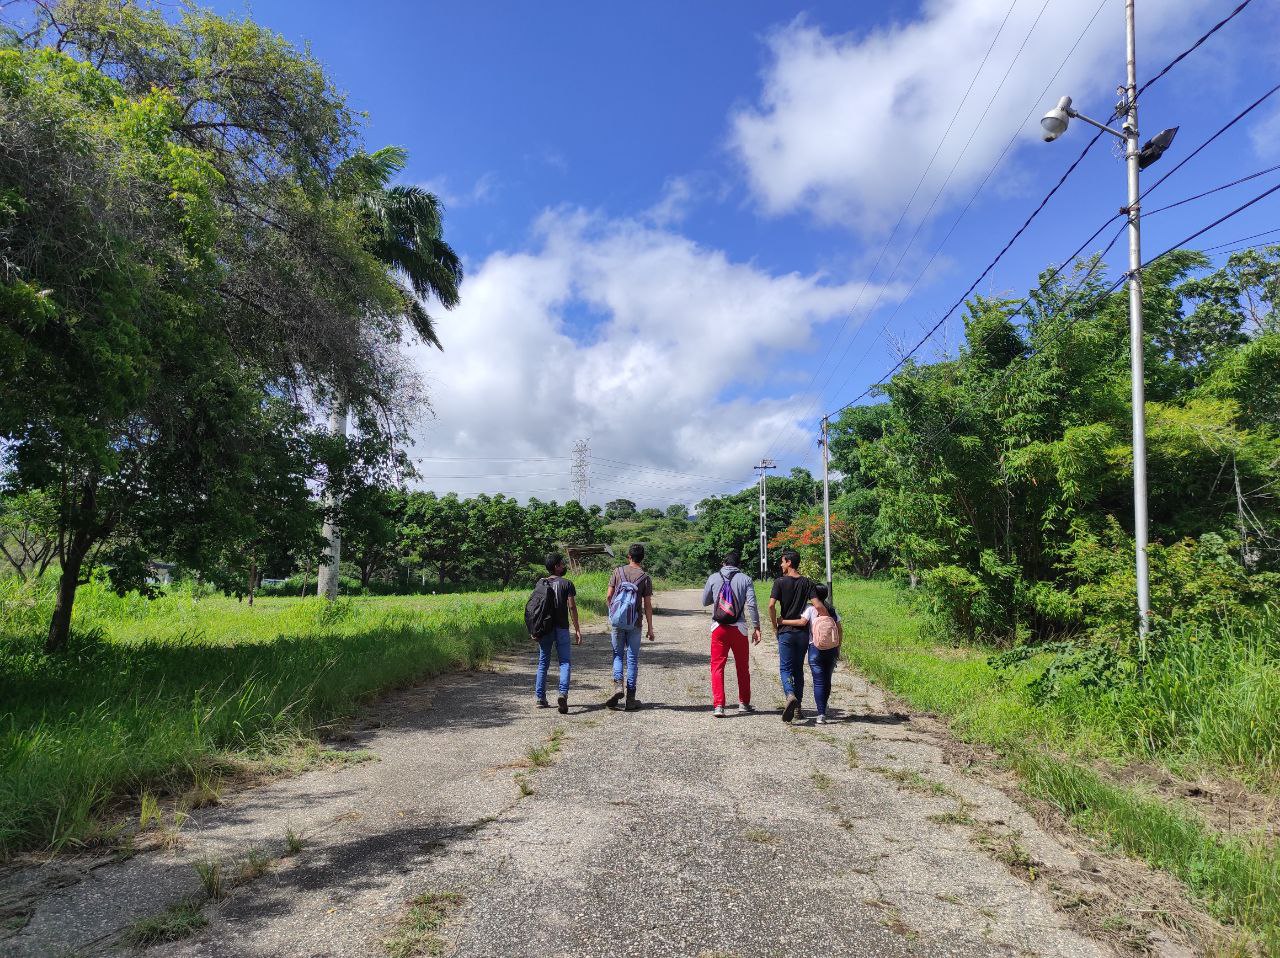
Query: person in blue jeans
{"x": 566, "y": 608}
{"x": 790, "y": 595}
{"x": 822, "y": 662}
{"x": 626, "y": 641}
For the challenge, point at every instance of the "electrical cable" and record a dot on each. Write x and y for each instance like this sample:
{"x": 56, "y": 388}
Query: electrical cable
{"x": 906, "y": 208}
{"x": 1232, "y": 122}
{"x": 1216, "y": 189}
{"x": 965, "y": 209}
{"x": 1191, "y": 49}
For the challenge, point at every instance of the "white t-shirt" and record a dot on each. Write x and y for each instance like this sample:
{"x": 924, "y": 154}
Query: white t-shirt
{"x": 810, "y": 613}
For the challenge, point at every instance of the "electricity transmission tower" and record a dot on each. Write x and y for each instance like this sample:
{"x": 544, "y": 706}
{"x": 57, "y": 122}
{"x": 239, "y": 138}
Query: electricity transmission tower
{"x": 762, "y": 468}
{"x": 580, "y": 471}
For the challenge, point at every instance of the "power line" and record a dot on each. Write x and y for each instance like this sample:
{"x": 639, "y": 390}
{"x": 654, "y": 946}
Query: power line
{"x": 906, "y": 208}
{"x": 1195, "y": 46}
{"x": 1242, "y": 239}
{"x": 1220, "y": 220}
{"x": 1216, "y": 189}
{"x": 964, "y": 210}
{"x": 1232, "y": 122}
{"x": 632, "y": 465}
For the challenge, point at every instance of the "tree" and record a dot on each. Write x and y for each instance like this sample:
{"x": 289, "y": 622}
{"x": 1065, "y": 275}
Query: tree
{"x": 498, "y": 531}
{"x": 372, "y": 516}
{"x": 407, "y": 236}
{"x": 677, "y": 513}
{"x": 28, "y": 532}
{"x": 171, "y": 261}
{"x": 434, "y": 534}
{"x": 619, "y": 509}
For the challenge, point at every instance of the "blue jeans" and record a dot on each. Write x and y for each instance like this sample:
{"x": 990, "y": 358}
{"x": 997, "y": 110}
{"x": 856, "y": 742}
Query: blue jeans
{"x": 559, "y": 640}
{"x": 626, "y": 645}
{"x": 792, "y": 644}
{"x": 822, "y": 662}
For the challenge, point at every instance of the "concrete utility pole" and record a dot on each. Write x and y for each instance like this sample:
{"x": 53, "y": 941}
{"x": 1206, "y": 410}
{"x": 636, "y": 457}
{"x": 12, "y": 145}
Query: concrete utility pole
{"x": 826, "y": 504}
{"x": 765, "y": 465}
{"x": 327, "y": 574}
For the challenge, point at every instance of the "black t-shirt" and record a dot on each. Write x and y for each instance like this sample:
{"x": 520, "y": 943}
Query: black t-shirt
{"x": 793, "y": 594}
{"x": 563, "y": 590}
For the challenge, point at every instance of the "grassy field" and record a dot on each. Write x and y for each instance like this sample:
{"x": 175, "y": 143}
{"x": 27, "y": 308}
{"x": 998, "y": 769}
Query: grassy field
{"x": 1193, "y": 716}
{"x": 163, "y": 695}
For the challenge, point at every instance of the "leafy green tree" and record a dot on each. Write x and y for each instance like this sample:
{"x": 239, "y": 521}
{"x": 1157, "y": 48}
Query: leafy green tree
{"x": 677, "y": 513}
{"x": 28, "y": 532}
{"x": 619, "y": 509}
{"x": 433, "y": 534}
{"x": 184, "y": 265}
{"x": 500, "y": 540}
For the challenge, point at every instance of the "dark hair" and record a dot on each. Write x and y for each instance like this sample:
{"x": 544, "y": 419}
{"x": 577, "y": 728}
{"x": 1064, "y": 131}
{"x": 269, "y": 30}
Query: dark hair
{"x": 732, "y": 557}
{"x": 821, "y": 592}
{"x": 636, "y": 552}
{"x": 792, "y": 557}
{"x": 553, "y": 559}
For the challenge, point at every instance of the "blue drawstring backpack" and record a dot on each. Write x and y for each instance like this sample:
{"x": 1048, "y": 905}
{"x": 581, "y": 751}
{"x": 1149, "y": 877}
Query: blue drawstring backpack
{"x": 624, "y": 608}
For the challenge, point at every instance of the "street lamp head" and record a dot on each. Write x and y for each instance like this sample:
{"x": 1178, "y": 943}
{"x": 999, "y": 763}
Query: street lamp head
{"x": 1054, "y": 123}
{"x": 1154, "y": 148}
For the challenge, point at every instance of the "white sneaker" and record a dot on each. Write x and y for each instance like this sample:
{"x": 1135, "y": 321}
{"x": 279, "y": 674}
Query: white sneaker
{"x": 718, "y": 711}
{"x": 746, "y": 707}
{"x": 820, "y": 720}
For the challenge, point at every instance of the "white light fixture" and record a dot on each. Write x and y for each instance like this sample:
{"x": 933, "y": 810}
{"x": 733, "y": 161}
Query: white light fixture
{"x": 1055, "y": 121}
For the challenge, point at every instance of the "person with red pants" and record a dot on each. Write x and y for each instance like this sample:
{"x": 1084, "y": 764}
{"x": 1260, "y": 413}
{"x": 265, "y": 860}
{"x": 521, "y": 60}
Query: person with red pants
{"x": 731, "y": 618}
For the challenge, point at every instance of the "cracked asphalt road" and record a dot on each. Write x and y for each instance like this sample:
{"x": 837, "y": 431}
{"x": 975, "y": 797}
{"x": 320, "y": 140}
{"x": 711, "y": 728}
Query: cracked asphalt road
{"x": 658, "y": 832}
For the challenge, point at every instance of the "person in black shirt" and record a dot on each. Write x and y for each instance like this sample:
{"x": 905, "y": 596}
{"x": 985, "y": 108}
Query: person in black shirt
{"x": 790, "y": 594}
{"x": 566, "y": 607}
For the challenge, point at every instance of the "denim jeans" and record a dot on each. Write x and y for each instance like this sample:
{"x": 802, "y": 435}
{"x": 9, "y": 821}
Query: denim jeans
{"x": 822, "y": 662}
{"x": 559, "y": 640}
{"x": 626, "y": 646}
{"x": 792, "y": 644}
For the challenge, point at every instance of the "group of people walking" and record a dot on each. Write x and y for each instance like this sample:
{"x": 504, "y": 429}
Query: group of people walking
{"x": 800, "y": 611}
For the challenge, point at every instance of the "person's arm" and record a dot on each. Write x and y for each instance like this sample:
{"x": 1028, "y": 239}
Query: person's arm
{"x": 648, "y": 614}
{"x": 773, "y": 613}
{"x": 707, "y": 595}
{"x": 752, "y": 612}
{"x": 573, "y": 617}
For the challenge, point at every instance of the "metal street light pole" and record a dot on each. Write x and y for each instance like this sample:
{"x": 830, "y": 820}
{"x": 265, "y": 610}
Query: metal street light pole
{"x": 1136, "y": 369}
{"x": 826, "y": 505}
{"x": 1137, "y": 158}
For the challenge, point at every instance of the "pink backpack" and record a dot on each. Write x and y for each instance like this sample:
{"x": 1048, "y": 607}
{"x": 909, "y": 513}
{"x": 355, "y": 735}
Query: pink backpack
{"x": 825, "y": 633}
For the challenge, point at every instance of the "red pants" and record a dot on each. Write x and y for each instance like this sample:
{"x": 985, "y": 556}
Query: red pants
{"x": 726, "y": 639}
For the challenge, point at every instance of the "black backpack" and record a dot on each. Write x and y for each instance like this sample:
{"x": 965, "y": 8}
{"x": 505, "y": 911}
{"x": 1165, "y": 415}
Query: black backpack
{"x": 540, "y": 610}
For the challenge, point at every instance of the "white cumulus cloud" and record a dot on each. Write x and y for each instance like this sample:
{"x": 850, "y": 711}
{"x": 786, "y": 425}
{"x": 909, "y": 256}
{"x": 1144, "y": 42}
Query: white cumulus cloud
{"x": 632, "y": 335}
{"x": 845, "y": 124}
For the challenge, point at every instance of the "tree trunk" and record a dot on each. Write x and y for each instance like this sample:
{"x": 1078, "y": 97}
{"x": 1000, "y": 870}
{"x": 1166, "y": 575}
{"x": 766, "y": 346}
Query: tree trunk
{"x": 366, "y": 573}
{"x": 327, "y": 575}
{"x": 60, "y": 624}
{"x": 253, "y": 578}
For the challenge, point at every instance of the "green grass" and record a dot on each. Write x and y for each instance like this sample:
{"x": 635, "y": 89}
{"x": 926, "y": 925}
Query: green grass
{"x": 164, "y": 695}
{"x": 173, "y": 924}
{"x": 416, "y": 932}
{"x": 1054, "y": 746}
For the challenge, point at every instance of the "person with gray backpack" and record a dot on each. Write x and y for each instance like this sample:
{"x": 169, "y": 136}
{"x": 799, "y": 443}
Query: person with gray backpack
{"x": 733, "y": 595}
{"x": 630, "y": 594}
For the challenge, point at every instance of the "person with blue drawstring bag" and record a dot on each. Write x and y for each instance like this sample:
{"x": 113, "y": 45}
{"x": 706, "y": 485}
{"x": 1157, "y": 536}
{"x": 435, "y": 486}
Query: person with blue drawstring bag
{"x": 630, "y": 597}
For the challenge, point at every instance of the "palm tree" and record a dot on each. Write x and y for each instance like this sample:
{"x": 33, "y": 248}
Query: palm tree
{"x": 407, "y": 234}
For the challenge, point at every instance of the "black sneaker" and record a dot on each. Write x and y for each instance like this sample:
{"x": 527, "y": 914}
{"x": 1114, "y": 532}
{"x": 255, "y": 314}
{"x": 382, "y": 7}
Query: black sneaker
{"x": 633, "y": 703}
{"x": 562, "y": 703}
{"x": 543, "y": 703}
{"x": 789, "y": 712}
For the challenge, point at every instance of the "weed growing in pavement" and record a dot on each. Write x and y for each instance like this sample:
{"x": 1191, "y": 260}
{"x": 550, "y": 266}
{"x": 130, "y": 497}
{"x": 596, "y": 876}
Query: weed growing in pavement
{"x": 293, "y": 842}
{"x": 178, "y": 921}
{"x": 211, "y": 877}
{"x": 822, "y": 780}
{"x": 522, "y": 783}
{"x": 761, "y": 836}
{"x": 416, "y": 932}
{"x": 855, "y": 760}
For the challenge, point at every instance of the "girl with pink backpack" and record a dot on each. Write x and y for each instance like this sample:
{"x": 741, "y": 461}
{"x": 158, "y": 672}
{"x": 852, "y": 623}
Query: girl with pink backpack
{"x": 825, "y": 636}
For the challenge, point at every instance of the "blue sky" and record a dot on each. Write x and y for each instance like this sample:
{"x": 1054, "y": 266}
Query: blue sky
{"x": 671, "y": 211}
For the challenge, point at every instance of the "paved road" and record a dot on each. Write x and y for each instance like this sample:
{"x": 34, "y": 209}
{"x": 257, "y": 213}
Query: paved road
{"x": 659, "y": 832}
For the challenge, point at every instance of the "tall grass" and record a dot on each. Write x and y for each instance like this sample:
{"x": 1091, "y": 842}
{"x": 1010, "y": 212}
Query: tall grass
{"x": 1200, "y": 706}
{"x": 152, "y": 691}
